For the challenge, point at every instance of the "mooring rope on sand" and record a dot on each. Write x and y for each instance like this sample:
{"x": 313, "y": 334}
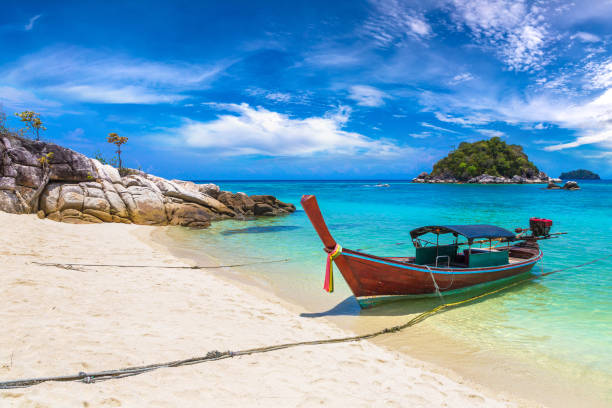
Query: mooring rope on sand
{"x": 76, "y": 265}
{"x": 215, "y": 355}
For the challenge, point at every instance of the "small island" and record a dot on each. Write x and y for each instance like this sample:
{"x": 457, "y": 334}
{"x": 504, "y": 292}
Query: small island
{"x": 580, "y": 174}
{"x": 490, "y": 161}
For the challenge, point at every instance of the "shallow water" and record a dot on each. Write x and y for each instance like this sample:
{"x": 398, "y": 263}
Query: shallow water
{"x": 559, "y": 325}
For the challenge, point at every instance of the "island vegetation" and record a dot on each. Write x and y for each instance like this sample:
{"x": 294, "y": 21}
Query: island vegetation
{"x": 580, "y": 174}
{"x": 493, "y": 157}
{"x": 484, "y": 160}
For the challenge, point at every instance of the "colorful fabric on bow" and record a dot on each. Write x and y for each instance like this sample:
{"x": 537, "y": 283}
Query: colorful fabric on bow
{"x": 328, "y": 285}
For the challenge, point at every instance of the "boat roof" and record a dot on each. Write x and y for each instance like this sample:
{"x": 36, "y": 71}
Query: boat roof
{"x": 468, "y": 231}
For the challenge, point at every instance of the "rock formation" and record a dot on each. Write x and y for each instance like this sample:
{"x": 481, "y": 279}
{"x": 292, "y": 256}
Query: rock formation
{"x": 63, "y": 185}
{"x": 571, "y": 185}
{"x": 538, "y": 178}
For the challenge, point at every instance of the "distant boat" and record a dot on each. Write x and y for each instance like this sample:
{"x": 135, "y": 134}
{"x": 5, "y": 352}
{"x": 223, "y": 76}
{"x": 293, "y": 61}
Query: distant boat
{"x": 435, "y": 268}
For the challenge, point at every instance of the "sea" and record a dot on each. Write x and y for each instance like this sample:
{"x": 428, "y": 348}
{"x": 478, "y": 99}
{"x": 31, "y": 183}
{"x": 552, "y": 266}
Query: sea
{"x": 547, "y": 340}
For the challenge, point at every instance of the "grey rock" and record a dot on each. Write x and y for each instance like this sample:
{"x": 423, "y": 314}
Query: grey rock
{"x": 73, "y": 188}
{"x": 240, "y": 203}
{"x": 571, "y": 185}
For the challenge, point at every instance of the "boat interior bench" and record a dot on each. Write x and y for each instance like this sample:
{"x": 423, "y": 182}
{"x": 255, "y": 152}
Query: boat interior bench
{"x": 478, "y": 257}
{"x": 428, "y": 255}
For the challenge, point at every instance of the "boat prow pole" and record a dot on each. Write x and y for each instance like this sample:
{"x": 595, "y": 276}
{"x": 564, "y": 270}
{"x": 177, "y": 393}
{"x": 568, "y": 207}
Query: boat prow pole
{"x": 311, "y": 207}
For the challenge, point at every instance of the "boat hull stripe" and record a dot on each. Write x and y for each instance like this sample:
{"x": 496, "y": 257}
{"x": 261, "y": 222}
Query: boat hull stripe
{"x": 453, "y": 272}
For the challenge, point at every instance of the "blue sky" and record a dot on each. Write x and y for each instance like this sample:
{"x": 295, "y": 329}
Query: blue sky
{"x": 313, "y": 89}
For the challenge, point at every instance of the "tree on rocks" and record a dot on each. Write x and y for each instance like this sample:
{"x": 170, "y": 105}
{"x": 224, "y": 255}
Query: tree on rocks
{"x": 32, "y": 121}
{"x": 117, "y": 140}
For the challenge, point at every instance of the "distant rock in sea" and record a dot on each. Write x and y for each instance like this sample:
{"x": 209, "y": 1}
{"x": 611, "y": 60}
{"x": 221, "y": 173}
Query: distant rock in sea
{"x": 580, "y": 174}
{"x": 63, "y": 185}
{"x": 485, "y": 162}
{"x": 571, "y": 185}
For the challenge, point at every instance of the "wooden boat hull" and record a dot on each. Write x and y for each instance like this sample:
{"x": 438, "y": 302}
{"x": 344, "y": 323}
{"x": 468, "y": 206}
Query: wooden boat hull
{"x": 373, "y": 279}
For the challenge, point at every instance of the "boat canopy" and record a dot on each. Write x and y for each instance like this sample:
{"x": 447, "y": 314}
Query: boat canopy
{"x": 469, "y": 231}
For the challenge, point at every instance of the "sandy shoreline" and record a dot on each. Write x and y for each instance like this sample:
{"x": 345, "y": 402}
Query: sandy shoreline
{"x": 60, "y": 321}
{"x": 497, "y": 367}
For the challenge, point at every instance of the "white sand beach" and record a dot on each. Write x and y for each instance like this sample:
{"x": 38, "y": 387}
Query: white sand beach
{"x": 59, "y": 322}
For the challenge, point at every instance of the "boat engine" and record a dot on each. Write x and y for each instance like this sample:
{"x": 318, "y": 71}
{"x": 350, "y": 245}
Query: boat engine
{"x": 540, "y": 227}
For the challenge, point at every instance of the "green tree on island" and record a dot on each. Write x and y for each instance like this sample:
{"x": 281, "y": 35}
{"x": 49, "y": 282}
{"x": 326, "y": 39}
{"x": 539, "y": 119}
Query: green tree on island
{"x": 493, "y": 157}
{"x": 117, "y": 140}
{"x": 32, "y": 121}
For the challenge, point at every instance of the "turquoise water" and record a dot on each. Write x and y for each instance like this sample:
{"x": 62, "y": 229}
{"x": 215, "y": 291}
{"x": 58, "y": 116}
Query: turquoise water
{"x": 562, "y": 322}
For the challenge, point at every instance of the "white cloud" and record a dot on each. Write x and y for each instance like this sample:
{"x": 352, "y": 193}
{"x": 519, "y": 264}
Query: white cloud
{"x": 367, "y": 95}
{"x": 302, "y": 97}
{"x": 30, "y": 24}
{"x": 467, "y": 120}
{"x": 457, "y": 79}
{"x": 247, "y": 130}
{"x": 599, "y": 75}
{"x": 100, "y": 93}
{"x": 328, "y": 56}
{"x": 392, "y": 22}
{"x": 279, "y": 96}
{"x": 588, "y": 115}
{"x": 516, "y": 31}
{"x": 91, "y": 76}
{"x": 422, "y": 135}
{"x": 491, "y": 132}
{"x": 428, "y": 125}
{"x": 586, "y": 37}
{"x": 16, "y": 99}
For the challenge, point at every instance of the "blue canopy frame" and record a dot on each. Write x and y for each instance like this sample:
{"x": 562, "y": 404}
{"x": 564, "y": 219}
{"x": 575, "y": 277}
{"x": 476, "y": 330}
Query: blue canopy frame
{"x": 471, "y": 232}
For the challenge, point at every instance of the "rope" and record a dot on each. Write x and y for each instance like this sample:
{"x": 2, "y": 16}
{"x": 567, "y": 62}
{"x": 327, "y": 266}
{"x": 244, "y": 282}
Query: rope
{"x": 73, "y": 265}
{"x": 215, "y": 355}
{"x": 435, "y": 284}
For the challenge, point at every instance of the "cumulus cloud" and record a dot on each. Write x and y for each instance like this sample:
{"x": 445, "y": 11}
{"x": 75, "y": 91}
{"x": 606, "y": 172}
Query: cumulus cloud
{"x": 391, "y": 22}
{"x": 246, "y": 130}
{"x": 93, "y": 76}
{"x": 517, "y": 31}
{"x": 367, "y": 95}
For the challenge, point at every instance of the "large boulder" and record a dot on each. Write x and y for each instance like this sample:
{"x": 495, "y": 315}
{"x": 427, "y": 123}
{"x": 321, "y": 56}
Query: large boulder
{"x": 68, "y": 186}
{"x": 187, "y": 215}
{"x": 240, "y": 203}
{"x": 266, "y": 201}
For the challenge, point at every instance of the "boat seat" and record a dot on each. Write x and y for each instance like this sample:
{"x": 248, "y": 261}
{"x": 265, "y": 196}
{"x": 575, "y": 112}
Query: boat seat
{"x": 427, "y": 255}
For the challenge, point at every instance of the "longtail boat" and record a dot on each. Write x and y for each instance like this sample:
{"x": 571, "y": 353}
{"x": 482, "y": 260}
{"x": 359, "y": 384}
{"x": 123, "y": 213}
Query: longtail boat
{"x": 436, "y": 268}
